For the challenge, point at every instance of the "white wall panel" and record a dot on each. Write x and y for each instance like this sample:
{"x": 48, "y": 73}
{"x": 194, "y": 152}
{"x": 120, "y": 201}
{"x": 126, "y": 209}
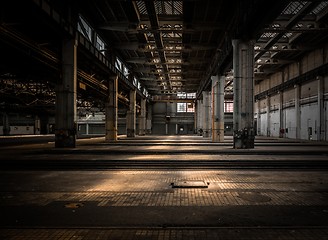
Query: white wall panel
{"x": 309, "y": 119}
{"x": 274, "y": 123}
{"x": 290, "y": 122}
{"x": 263, "y": 124}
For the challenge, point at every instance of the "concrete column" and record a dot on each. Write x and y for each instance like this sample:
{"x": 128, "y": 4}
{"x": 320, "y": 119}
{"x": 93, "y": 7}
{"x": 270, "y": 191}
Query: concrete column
{"x": 6, "y": 125}
{"x": 149, "y": 119}
{"x": 199, "y": 117}
{"x": 297, "y": 111}
{"x": 87, "y": 128}
{"x": 195, "y": 118}
{"x": 37, "y": 125}
{"x": 258, "y": 121}
{"x": 321, "y": 121}
{"x": 243, "y": 115}
{"x": 65, "y": 132}
{"x": 142, "y": 117}
{"x": 111, "y": 111}
{"x": 218, "y": 108}
{"x": 131, "y": 115}
{"x": 206, "y": 113}
{"x": 281, "y": 115}
{"x": 268, "y": 115}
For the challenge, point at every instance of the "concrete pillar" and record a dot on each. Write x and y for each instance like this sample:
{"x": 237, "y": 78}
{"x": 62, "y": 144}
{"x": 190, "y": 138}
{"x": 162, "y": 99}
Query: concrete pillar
{"x": 37, "y": 125}
{"x": 206, "y": 113}
{"x": 268, "y": 115}
{"x": 199, "y": 109}
{"x": 111, "y": 109}
{"x": 149, "y": 119}
{"x": 258, "y": 120}
{"x": 321, "y": 121}
{"x": 281, "y": 115}
{"x": 218, "y": 108}
{"x": 6, "y": 125}
{"x": 87, "y": 128}
{"x": 297, "y": 111}
{"x": 65, "y": 132}
{"x": 243, "y": 115}
{"x": 142, "y": 117}
{"x": 131, "y": 115}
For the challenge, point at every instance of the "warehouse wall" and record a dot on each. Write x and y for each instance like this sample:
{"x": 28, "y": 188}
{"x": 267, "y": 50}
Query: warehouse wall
{"x": 299, "y": 111}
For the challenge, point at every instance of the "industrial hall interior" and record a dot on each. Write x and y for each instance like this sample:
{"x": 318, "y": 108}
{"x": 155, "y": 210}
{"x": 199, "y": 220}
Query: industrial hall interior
{"x": 163, "y": 119}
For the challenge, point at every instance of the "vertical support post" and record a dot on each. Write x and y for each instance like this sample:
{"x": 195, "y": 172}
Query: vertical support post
{"x": 65, "y": 132}
{"x": 6, "y": 125}
{"x": 149, "y": 119}
{"x": 37, "y": 125}
{"x": 281, "y": 115}
{"x": 268, "y": 115}
{"x": 320, "y": 126}
{"x": 142, "y": 117}
{"x": 131, "y": 115}
{"x": 258, "y": 121}
{"x": 206, "y": 113}
{"x": 243, "y": 115}
{"x": 111, "y": 111}
{"x": 199, "y": 117}
{"x": 297, "y": 111}
{"x": 87, "y": 128}
{"x": 218, "y": 108}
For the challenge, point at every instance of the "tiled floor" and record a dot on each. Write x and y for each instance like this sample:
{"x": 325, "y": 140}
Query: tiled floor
{"x": 163, "y": 203}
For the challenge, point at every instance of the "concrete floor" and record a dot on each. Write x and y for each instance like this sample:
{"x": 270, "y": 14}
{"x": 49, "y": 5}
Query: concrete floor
{"x": 169, "y": 187}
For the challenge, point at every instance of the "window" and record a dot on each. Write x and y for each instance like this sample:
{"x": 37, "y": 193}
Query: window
{"x": 118, "y": 64}
{"x": 185, "y": 107}
{"x": 228, "y": 106}
{"x": 100, "y": 44}
{"x": 125, "y": 71}
{"x": 190, "y": 107}
{"x": 135, "y": 82}
{"x": 181, "y": 107}
{"x": 84, "y": 28}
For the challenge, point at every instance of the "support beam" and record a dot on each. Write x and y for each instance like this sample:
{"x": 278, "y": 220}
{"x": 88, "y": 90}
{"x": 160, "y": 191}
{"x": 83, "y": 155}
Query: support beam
{"x": 111, "y": 111}
{"x": 131, "y": 115}
{"x": 243, "y": 115}
{"x": 149, "y": 120}
{"x": 297, "y": 111}
{"x": 207, "y": 114}
{"x": 6, "y": 125}
{"x": 65, "y": 132}
{"x": 321, "y": 120}
{"x": 218, "y": 108}
{"x": 267, "y": 104}
{"x": 142, "y": 117}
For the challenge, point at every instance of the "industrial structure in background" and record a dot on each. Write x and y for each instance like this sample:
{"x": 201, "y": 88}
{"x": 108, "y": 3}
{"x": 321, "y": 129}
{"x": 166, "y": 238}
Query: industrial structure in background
{"x": 212, "y": 68}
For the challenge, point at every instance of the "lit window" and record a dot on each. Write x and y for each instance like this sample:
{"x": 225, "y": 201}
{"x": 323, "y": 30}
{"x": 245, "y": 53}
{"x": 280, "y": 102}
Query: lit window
{"x": 100, "y": 45}
{"x": 190, "y": 107}
{"x": 118, "y": 64}
{"x": 125, "y": 71}
{"x": 185, "y": 107}
{"x": 181, "y": 107}
{"x": 84, "y": 28}
{"x": 228, "y": 106}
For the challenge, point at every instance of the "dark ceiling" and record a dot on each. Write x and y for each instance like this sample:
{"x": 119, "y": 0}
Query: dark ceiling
{"x": 169, "y": 46}
{"x": 175, "y": 46}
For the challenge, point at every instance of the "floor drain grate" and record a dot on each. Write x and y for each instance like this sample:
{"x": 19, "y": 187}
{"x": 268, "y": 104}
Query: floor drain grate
{"x": 189, "y": 184}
